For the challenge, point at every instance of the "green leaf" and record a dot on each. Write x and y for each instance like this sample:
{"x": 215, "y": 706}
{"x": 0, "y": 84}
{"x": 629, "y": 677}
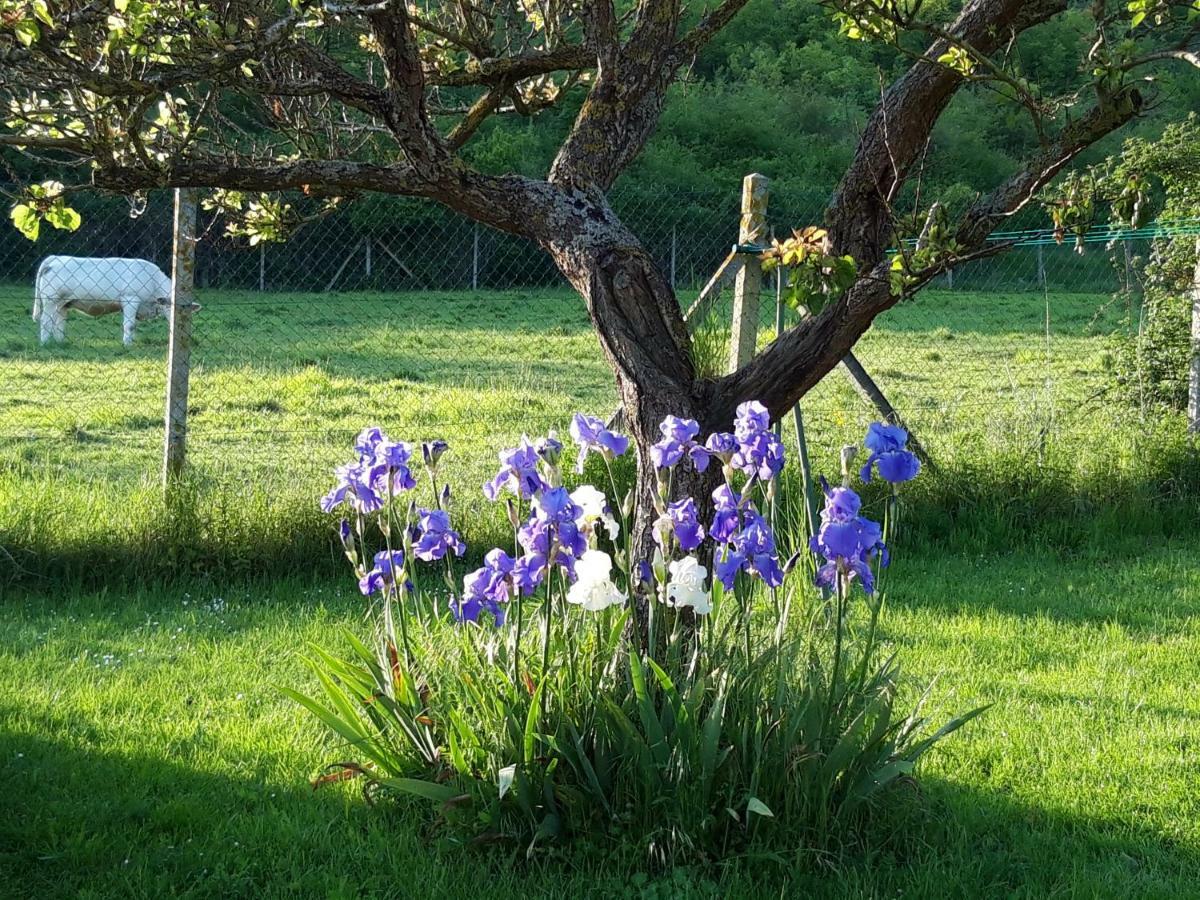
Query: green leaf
{"x": 26, "y": 220}
{"x": 41, "y": 9}
{"x": 27, "y": 31}
{"x": 63, "y": 217}
{"x": 441, "y": 793}
{"x": 507, "y": 774}
{"x": 756, "y": 806}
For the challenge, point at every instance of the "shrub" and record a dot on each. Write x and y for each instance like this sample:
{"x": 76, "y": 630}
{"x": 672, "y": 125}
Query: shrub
{"x": 586, "y": 687}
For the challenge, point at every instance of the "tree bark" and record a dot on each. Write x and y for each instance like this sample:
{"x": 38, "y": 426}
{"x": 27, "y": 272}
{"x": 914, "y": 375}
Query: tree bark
{"x": 642, "y": 333}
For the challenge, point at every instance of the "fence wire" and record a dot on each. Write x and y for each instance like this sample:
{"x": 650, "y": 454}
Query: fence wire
{"x": 401, "y": 313}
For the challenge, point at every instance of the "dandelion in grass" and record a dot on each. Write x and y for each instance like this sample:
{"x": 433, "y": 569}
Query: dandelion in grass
{"x": 889, "y": 456}
{"x": 593, "y": 589}
{"x": 686, "y": 587}
{"x": 593, "y": 437}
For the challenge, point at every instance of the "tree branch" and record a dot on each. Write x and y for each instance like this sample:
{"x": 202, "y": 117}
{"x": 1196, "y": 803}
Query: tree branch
{"x": 408, "y": 117}
{"x": 859, "y": 213}
{"x": 798, "y": 359}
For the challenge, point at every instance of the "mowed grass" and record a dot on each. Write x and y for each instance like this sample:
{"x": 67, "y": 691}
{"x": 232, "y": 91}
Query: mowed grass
{"x": 1047, "y": 568}
{"x": 281, "y": 383}
{"x": 145, "y": 752}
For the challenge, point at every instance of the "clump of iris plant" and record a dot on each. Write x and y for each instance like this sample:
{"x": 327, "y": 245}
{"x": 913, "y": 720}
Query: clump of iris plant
{"x": 579, "y": 657}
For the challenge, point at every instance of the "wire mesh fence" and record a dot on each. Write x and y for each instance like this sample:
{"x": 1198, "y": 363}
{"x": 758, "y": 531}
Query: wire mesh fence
{"x": 399, "y": 312}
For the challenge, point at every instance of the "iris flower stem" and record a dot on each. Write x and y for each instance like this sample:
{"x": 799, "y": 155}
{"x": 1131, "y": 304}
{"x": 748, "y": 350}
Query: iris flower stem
{"x": 393, "y": 594}
{"x": 520, "y": 621}
{"x": 546, "y": 630}
{"x": 837, "y": 650}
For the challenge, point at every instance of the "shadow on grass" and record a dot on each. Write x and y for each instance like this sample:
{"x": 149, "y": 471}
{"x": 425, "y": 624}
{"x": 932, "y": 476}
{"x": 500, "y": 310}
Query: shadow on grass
{"x": 969, "y": 842}
{"x": 80, "y": 819}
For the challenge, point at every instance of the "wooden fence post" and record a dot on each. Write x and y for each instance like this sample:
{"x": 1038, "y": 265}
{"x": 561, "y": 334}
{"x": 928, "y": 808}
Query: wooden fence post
{"x": 183, "y": 269}
{"x": 1194, "y": 368}
{"x": 748, "y": 284}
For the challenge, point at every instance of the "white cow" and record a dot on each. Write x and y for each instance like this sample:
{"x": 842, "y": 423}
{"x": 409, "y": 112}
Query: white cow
{"x": 135, "y": 287}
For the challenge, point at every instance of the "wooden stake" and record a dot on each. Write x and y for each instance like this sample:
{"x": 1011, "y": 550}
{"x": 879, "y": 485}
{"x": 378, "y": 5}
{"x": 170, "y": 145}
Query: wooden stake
{"x": 179, "y": 351}
{"x": 748, "y": 284}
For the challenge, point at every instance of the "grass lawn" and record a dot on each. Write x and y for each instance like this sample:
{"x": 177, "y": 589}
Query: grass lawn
{"x": 281, "y": 383}
{"x": 144, "y": 751}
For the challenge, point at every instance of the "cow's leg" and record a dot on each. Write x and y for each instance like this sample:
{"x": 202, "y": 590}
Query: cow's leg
{"x": 129, "y": 308}
{"x": 53, "y": 322}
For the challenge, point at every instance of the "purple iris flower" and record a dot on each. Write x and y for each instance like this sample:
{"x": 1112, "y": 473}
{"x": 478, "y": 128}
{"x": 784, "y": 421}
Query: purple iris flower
{"x": 888, "y": 456}
{"x": 548, "y": 449}
{"x": 678, "y": 440}
{"x": 518, "y": 472}
{"x": 383, "y": 575}
{"x": 750, "y": 419}
{"x": 841, "y": 503}
{"x": 435, "y": 536}
{"x": 881, "y": 438}
{"x": 391, "y": 460}
{"x": 553, "y": 521}
{"x": 590, "y": 434}
{"x": 493, "y": 584}
{"x": 677, "y": 429}
{"x": 894, "y": 466}
{"x": 854, "y": 568}
{"x": 368, "y": 439}
{"x": 721, "y": 444}
{"x": 847, "y": 541}
{"x": 431, "y": 452}
{"x": 528, "y": 572}
{"x": 727, "y": 517}
{"x": 759, "y": 454}
{"x": 355, "y": 485}
{"x": 685, "y": 522}
{"x": 751, "y": 550}
{"x": 666, "y": 453}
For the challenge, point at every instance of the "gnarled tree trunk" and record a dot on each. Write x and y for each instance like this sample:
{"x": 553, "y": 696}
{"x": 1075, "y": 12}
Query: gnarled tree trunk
{"x": 643, "y": 335}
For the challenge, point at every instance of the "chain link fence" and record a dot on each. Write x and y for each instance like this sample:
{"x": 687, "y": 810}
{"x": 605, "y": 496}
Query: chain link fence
{"x": 399, "y": 312}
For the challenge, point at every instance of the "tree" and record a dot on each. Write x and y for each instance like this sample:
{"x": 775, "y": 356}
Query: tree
{"x": 337, "y": 98}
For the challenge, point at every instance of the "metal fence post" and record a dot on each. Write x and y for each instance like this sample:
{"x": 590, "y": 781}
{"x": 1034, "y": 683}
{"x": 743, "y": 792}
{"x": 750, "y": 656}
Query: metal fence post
{"x": 673, "y": 252}
{"x": 475, "y": 257}
{"x": 179, "y": 351}
{"x": 367, "y": 257}
{"x": 748, "y": 284}
{"x": 1041, "y": 267}
{"x": 262, "y": 267}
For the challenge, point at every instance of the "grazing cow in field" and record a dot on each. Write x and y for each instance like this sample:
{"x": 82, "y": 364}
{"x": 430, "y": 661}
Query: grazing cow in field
{"x": 137, "y": 288}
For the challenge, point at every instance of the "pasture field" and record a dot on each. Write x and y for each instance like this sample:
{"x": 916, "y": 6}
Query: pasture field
{"x": 281, "y": 383}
